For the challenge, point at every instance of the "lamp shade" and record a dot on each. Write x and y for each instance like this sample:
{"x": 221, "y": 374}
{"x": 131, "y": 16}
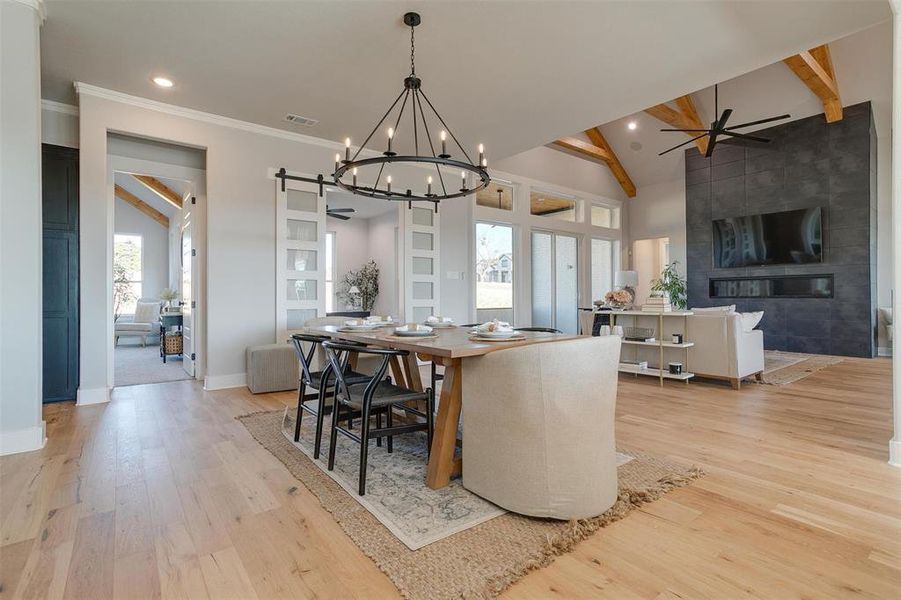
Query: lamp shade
{"x": 623, "y": 279}
{"x": 353, "y": 290}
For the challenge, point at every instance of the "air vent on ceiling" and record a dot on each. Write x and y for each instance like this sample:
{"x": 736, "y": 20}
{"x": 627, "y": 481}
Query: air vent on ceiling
{"x": 301, "y": 120}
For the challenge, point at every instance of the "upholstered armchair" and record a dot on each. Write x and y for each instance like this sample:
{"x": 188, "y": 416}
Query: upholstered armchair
{"x": 146, "y": 321}
{"x": 538, "y": 427}
{"x": 722, "y": 348}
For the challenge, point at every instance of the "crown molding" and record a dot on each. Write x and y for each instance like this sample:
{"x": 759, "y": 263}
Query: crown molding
{"x": 66, "y": 109}
{"x": 36, "y": 5}
{"x": 85, "y": 89}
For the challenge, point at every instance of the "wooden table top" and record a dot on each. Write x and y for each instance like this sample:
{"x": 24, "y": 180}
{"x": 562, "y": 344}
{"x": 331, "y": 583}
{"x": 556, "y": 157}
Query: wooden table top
{"x": 453, "y": 342}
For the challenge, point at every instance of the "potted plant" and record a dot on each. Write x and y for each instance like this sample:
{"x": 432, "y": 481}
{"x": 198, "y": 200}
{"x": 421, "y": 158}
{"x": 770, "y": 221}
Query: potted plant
{"x": 673, "y": 284}
{"x": 361, "y": 287}
{"x": 167, "y": 296}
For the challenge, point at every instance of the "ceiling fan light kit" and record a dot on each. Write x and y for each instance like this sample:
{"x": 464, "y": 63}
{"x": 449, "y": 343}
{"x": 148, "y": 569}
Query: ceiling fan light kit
{"x": 370, "y": 177}
{"x": 718, "y": 129}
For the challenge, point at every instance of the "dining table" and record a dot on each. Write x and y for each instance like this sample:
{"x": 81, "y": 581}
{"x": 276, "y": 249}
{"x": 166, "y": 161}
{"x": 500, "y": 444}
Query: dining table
{"x": 448, "y": 347}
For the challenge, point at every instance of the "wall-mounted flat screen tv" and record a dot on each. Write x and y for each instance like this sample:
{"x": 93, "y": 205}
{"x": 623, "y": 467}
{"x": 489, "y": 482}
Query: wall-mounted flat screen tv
{"x": 780, "y": 238}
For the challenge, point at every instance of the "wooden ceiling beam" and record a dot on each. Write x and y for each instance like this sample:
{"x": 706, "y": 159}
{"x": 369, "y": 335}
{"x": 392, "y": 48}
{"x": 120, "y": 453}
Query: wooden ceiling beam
{"x": 814, "y": 68}
{"x": 142, "y": 206}
{"x": 619, "y": 172}
{"x": 599, "y": 150}
{"x": 584, "y": 148}
{"x": 686, "y": 117}
{"x": 160, "y": 189}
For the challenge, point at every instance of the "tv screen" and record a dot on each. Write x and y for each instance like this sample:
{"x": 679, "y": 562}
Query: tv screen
{"x": 781, "y": 238}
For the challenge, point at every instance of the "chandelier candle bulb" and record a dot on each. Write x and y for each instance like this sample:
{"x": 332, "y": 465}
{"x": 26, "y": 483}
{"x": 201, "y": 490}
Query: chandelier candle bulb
{"x": 337, "y": 161}
{"x": 443, "y": 143}
{"x": 390, "y": 137}
{"x": 388, "y": 179}
{"x": 463, "y": 178}
{"x": 429, "y": 192}
{"x": 347, "y": 149}
{"x": 355, "y": 176}
{"x": 481, "y": 154}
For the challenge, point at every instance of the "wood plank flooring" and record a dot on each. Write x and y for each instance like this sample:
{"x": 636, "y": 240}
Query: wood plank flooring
{"x": 162, "y": 494}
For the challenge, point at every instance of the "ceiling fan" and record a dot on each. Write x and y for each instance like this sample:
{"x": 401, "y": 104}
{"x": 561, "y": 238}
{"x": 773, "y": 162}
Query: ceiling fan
{"x": 718, "y": 128}
{"x": 336, "y": 212}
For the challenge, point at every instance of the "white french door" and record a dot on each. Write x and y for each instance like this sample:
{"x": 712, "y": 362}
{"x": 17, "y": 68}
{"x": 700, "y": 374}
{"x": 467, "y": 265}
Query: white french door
{"x": 421, "y": 269}
{"x": 300, "y": 255}
{"x": 555, "y": 280}
{"x": 188, "y": 296}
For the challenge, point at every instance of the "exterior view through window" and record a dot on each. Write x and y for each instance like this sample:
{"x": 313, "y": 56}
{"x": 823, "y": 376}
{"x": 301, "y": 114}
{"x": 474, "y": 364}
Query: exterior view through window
{"x": 494, "y": 272}
{"x": 127, "y": 273}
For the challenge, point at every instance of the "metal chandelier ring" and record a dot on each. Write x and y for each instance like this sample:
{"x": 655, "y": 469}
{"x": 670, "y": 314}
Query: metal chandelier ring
{"x": 407, "y": 195}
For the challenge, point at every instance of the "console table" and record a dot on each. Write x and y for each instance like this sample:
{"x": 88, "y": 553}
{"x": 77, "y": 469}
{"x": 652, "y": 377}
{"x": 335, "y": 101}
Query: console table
{"x": 660, "y": 343}
{"x": 168, "y": 321}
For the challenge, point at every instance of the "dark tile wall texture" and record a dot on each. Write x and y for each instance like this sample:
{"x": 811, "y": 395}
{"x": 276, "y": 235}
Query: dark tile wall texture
{"x": 808, "y": 163}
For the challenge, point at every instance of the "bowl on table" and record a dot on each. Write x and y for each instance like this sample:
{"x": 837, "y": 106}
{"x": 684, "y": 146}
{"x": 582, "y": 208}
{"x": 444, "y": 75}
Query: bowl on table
{"x": 358, "y": 325}
{"x": 439, "y": 322}
{"x": 413, "y": 330}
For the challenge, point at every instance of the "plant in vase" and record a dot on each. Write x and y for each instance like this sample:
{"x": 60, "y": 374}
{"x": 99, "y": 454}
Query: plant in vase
{"x": 167, "y": 296}
{"x": 361, "y": 287}
{"x": 673, "y": 285}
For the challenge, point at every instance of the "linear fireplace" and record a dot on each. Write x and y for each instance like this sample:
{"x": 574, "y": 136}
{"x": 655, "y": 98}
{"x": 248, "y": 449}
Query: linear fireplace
{"x": 785, "y": 286}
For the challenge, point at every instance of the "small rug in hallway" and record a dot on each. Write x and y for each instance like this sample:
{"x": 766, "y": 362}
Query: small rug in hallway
{"x": 483, "y": 558}
{"x": 135, "y": 364}
{"x": 781, "y": 368}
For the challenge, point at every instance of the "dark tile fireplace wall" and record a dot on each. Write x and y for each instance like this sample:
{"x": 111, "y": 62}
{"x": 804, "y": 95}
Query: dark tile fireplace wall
{"x": 808, "y": 163}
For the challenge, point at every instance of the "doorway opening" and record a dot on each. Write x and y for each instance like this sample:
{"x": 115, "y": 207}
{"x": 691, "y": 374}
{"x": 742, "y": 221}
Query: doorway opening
{"x": 157, "y": 273}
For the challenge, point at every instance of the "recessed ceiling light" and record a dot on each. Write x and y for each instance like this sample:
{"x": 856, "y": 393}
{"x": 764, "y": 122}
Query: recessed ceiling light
{"x": 632, "y": 125}
{"x": 163, "y": 82}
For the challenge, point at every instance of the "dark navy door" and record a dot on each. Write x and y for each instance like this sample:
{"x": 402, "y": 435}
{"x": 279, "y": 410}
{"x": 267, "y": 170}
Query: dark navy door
{"x": 60, "y": 265}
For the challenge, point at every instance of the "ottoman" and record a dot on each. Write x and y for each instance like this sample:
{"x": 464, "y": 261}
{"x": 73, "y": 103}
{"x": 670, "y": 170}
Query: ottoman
{"x": 272, "y": 368}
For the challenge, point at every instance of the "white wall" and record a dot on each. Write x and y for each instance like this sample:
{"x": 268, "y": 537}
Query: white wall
{"x": 21, "y": 369}
{"x": 59, "y": 124}
{"x": 352, "y": 248}
{"x": 384, "y": 250}
{"x": 659, "y": 211}
{"x": 154, "y": 247}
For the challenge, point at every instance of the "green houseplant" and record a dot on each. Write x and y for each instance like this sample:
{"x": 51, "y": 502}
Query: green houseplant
{"x": 366, "y": 280}
{"x": 673, "y": 284}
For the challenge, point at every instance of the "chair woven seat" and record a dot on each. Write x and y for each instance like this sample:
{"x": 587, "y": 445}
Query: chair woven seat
{"x": 352, "y": 377}
{"x": 385, "y": 394}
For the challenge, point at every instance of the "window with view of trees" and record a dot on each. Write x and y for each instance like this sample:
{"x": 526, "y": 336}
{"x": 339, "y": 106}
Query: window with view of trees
{"x": 494, "y": 272}
{"x": 127, "y": 273}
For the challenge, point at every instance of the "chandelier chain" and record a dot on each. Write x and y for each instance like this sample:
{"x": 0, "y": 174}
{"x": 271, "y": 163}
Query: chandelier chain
{"x": 412, "y": 51}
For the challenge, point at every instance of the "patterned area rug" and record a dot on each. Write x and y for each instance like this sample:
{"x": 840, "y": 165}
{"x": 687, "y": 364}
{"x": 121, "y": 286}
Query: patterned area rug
{"x": 490, "y": 549}
{"x": 781, "y": 368}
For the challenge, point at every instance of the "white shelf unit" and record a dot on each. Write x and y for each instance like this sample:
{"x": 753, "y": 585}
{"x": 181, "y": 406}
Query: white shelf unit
{"x": 661, "y": 372}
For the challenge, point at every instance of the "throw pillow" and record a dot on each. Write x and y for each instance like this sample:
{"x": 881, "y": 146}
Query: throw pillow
{"x": 147, "y": 312}
{"x": 715, "y": 309}
{"x": 750, "y": 320}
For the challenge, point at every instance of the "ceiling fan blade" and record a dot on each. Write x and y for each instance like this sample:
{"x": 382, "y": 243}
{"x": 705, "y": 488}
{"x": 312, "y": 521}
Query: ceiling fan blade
{"x": 721, "y": 123}
{"x": 340, "y": 210}
{"x": 687, "y": 130}
{"x": 711, "y": 145}
{"x": 744, "y": 136}
{"x": 682, "y": 144}
{"x": 342, "y": 217}
{"x": 760, "y": 122}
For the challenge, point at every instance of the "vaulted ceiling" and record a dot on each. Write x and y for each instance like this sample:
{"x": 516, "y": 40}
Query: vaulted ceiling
{"x": 514, "y": 75}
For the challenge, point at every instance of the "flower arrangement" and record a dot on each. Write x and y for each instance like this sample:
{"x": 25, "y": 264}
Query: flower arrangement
{"x": 619, "y": 298}
{"x": 366, "y": 280}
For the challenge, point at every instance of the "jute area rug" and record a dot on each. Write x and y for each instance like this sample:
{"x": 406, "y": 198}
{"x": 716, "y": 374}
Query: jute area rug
{"x": 477, "y": 562}
{"x": 781, "y": 368}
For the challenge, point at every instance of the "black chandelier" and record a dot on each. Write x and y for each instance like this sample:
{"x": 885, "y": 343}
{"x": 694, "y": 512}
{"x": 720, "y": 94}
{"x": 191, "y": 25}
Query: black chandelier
{"x": 449, "y": 182}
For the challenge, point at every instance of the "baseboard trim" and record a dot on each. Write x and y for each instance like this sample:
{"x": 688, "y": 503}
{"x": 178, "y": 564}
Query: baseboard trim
{"x": 894, "y": 453}
{"x": 884, "y": 351}
{"x": 90, "y": 396}
{"x": 23, "y": 440}
{"x": 224, "y": 382}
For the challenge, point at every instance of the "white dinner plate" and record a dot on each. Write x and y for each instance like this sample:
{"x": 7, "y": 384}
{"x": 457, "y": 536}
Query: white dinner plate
{"x": 439, "y": 325}
{"x": 358, "y": 327}
{"x": 417, "y": 333}
{"x": 497, "y": 335}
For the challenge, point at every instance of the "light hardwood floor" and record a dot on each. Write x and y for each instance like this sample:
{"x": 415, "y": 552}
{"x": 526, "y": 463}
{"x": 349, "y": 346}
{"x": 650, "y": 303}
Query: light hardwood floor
{"x": 161, "y": 493}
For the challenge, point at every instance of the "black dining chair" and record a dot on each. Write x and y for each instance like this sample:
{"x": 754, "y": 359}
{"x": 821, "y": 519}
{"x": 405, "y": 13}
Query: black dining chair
{"x": 375, "y": 397}
{"x": 318, "y": 381}
{"x": 539, "y": 329}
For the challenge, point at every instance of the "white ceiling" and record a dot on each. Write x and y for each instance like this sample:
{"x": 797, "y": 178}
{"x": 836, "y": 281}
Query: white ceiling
{"x": 863, "y": 67}
{"x": 513, "y": 75}
{"x": 141, "y": 191}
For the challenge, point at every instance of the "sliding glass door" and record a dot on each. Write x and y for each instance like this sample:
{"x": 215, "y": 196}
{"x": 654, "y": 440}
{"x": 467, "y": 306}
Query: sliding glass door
{"x": 555, "y": 281}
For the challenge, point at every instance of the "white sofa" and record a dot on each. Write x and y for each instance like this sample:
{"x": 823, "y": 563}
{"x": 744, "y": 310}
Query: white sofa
{"x": 538, "y": 427}
{"x": 145, "y": 321}
{"x": 722, "y": 349}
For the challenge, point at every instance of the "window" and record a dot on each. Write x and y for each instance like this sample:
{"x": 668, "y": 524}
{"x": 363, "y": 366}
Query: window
{"x": 128, "y": 273}
{"x": 604, "y": 216}
{"x": 496, "y": 195}
{"x": 494, "y": 272}
{"x": 330, "y": 269}
{"x": 544, "y": 204}
{"x": 604, "y": 258}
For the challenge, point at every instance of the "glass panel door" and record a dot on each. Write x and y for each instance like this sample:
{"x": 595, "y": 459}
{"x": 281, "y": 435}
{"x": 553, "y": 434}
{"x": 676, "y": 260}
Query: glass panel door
{"x": 494, "y": 272}
{"x": 566, "y": 283}
{"x": 555, "y": 281}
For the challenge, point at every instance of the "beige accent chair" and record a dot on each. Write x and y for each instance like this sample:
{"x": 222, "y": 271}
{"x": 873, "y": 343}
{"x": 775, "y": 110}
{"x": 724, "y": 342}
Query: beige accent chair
{"x": 722, "y": 349}
{"x": 538, "y": 427}
{"x": 144, "y": 322}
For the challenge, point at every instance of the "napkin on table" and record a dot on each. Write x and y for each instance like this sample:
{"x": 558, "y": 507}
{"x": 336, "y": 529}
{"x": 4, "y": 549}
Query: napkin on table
{"x": 494, "y": 325}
